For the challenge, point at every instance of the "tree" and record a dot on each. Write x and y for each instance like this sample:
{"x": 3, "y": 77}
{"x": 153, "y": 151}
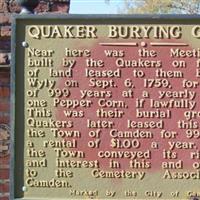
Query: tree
{"x": 161, "y": 6}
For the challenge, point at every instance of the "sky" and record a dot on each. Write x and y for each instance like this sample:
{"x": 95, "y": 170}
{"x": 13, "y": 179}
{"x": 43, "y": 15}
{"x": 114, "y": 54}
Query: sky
{"x": 95, "y": 6}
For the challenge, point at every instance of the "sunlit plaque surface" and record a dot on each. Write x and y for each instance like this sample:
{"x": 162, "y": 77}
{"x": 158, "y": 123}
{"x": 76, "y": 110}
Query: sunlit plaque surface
{"x": 106, "y": 107}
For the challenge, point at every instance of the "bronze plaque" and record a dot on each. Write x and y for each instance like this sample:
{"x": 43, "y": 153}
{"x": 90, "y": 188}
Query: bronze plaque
{"x": 106, "y": 107}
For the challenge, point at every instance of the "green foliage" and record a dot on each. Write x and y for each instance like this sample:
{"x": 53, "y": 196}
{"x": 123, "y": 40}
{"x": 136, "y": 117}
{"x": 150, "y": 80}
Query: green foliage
{"x": 161, "y": 6}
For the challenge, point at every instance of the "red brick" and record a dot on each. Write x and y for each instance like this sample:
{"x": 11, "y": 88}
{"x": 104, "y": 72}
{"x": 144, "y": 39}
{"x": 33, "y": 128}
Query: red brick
{"x": 4, "y": 160}
{"x": 5, "y": 31}
{"x": 5, "y": 73}
{"x": 4, "y": 119}
{"x": 4, "y": 174}
{"x": 4, "y": 92}
{"x": 5, "y": 81}
{"x": 4, "y": 198}
{"x": 5, "y": 19}
{"x": 4, "y": 106}
{"x": 4, "y": 187}
{"x": 4, "y": 77}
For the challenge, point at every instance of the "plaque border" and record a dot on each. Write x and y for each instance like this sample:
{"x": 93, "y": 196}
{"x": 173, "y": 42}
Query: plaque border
{"x": 147, "y": 18}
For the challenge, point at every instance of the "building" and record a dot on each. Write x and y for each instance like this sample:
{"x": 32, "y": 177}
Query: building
{"x": 7, "y": 8}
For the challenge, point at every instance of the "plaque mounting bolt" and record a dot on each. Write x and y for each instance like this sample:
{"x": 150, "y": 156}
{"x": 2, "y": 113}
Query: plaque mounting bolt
{"x": 24, "y": 44}
{"x": 24, "y": 188}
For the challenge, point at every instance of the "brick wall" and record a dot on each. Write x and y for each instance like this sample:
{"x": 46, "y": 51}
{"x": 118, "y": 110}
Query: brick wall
{"x": 5, "y": 55}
